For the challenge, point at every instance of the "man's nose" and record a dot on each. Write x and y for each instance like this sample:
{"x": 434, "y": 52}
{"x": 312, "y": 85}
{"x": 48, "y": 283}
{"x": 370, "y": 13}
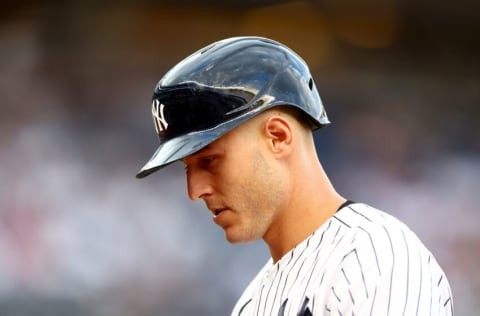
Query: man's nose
{"x": 198, "y": 185}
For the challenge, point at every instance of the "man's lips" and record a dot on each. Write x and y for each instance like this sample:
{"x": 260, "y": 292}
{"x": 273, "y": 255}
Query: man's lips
{"x": 217, "y": 211}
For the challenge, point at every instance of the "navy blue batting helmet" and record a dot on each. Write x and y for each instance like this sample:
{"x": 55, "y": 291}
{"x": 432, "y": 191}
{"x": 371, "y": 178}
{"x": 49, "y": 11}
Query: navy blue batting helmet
{"x": 221, "y": 86}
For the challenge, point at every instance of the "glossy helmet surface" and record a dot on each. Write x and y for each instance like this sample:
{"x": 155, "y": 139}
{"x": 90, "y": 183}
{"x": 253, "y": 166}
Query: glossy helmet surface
{"x": 221, "y": 86}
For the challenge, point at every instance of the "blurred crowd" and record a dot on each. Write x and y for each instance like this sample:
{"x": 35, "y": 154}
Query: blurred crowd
{"x": 79, "y": 235}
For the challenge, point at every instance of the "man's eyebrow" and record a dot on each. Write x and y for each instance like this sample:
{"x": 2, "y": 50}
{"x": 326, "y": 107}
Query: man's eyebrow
{"x": 206, "y": 148}
{"x": 197, "y": 152}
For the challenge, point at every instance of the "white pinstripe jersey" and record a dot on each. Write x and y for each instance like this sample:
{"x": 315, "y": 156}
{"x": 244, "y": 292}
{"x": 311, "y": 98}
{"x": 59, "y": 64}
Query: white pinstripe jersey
{"x": 362, "y": 261}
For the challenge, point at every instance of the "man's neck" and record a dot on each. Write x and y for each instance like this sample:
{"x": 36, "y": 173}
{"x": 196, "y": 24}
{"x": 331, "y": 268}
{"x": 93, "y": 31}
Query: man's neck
{"x": 313, "y": 201}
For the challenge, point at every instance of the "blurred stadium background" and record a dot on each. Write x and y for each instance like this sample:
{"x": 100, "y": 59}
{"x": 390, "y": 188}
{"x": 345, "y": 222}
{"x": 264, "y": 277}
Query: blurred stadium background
{"x": 79, "y": 235}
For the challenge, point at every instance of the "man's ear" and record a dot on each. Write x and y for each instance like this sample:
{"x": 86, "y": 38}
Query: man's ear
{"x": 279, "y": 132}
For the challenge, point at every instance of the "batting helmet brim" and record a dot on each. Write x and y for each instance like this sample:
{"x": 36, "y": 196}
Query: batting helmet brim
{"x": 185, "y": 145}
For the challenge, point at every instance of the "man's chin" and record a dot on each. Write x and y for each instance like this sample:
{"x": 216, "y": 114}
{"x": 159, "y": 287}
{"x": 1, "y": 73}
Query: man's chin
{"x": 235, "y": 237}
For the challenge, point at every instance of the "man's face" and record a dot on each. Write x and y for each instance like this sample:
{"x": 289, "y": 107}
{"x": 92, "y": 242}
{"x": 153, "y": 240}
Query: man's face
{"x": 236, "y": 178}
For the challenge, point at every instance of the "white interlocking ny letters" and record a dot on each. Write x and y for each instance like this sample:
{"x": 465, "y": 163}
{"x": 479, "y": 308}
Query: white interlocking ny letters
{"x": 159, "y": 120}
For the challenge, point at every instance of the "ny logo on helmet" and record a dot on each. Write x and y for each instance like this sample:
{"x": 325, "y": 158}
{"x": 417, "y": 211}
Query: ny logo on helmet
{"x": 159, "y": 120}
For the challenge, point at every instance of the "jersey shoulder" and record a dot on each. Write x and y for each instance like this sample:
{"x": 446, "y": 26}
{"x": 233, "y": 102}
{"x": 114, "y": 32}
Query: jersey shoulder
{"x": 386, "y": 267}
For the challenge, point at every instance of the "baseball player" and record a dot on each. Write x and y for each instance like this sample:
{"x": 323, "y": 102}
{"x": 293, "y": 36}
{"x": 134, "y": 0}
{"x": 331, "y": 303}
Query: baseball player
{"x": 239, "y": 114}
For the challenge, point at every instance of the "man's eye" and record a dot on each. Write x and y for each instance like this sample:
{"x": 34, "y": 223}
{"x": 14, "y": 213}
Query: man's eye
{"x": 208, "y": 160}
